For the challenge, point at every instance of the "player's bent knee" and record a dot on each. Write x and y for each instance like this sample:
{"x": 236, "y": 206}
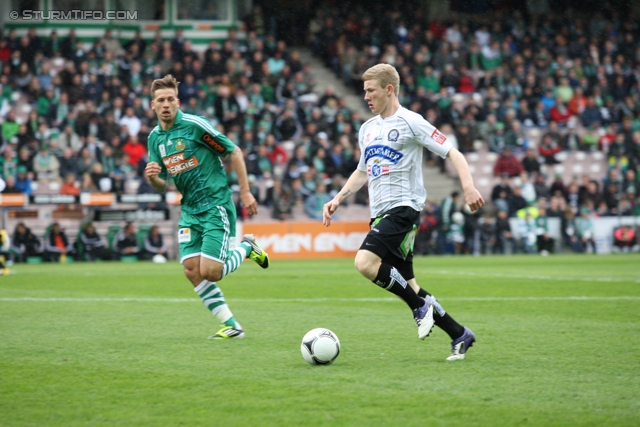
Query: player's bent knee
{"x": 211, "y": 269}
{"x": 192, "y": 273}
{"x": 212, "y": 274}
{"x": 367, "y": 266}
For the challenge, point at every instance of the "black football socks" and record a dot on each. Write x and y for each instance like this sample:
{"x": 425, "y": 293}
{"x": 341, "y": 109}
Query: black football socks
{"x": 443, "y": 320}
{"x": 390, "y": 279}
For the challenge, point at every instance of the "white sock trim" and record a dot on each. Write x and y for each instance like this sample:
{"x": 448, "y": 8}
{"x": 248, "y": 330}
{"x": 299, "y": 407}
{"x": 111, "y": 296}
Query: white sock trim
{"x": 201, "y": 286}
{"x": 223, "y": 313}
{"x": 242, "y": 251}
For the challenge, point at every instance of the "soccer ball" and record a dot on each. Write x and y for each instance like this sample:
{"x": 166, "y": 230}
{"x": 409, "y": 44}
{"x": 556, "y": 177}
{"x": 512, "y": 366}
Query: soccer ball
{"x": 320, "y": 346}
{"x": 159, "y": 259}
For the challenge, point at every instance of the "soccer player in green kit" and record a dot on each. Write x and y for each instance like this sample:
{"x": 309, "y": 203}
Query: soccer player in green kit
{"x": 189, "y": 149}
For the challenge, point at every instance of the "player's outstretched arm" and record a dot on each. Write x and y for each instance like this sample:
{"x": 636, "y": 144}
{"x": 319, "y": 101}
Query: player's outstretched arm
{"x": 151, "y": 171}
{"x": 354, "y": 183}
{"x": 472, "y": 196}
{"x": 247, "y": 199}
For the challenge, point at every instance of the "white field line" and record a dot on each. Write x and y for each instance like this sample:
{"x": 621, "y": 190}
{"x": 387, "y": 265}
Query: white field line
{"x": 312, "y": 300}
{"x": 548, "y": 277}
{"x": 536, "y": 277}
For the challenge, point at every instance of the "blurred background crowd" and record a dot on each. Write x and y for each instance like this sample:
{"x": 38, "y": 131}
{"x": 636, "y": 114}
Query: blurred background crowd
{"x": 522, "y": 90}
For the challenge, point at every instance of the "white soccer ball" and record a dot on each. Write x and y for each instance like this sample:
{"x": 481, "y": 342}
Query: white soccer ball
{"x": 320, "y": 346}
{"x": 159, "y": 259}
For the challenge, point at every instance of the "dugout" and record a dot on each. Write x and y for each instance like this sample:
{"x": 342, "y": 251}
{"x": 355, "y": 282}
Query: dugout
{"x": 107, "y": 211}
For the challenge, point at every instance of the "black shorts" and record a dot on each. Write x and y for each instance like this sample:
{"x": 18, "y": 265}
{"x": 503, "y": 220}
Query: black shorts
{"x": 392, "y": 234}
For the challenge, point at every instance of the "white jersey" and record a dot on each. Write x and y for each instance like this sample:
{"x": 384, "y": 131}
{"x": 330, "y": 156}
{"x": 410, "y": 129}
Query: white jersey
{"x": 392, "y": 158}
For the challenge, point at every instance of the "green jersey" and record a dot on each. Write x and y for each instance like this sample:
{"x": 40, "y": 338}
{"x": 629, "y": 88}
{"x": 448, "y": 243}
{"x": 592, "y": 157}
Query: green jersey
{"x": 190, "y": 152}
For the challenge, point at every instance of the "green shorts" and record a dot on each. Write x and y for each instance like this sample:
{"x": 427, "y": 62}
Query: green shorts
{"x": 207, "y": 234}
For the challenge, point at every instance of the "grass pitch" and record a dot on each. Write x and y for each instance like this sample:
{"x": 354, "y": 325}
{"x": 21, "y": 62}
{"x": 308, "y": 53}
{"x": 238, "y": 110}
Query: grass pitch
{"x": 125, "y": 344}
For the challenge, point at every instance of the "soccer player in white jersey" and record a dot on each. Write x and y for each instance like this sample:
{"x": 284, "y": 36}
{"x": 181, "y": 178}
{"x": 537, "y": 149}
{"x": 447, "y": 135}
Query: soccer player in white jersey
{"x": 391, "y": 162}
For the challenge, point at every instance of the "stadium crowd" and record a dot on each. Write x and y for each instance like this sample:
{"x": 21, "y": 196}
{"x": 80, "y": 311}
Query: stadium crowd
{"x": 89, "y": 114}
{"x": 76, "y": 116}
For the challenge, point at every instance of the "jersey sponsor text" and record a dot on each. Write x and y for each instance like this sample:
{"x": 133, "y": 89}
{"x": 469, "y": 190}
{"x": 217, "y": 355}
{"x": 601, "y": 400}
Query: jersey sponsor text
{"x": 211, "y": 142}
{"x": 177, "y": 163}
{"x": 383, "y": 152}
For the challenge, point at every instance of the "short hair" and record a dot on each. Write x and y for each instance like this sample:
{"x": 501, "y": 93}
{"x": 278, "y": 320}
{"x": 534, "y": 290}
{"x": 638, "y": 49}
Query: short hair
{"x": 167, "y": 82}
{"x": 385, "y": 74}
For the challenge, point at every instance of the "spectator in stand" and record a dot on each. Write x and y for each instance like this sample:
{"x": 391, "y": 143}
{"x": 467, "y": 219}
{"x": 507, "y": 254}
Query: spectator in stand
{"x": 527, "y": 230}
{"x": 589, "y": 192}
{"x": 540, "y": 186}
{"x": 125, "y": 242}
{"x": 314, "y": 203}
{"x": 559, "y": 113}
{"x": 486, "y": 232}
{"x": 572, "y": 141}
{"x": 25, "y": 160}
{"x": 585, "y": 232}
{"x": 70, "y": 185}
{"x": 24, "y": 243}
{"x": 503, "y": 185}
{"x": 497, "y": 139}
{"x": 10, "y": 186}
{"x": 137, "y": 153}
{"x": 507, "y": 163}
{"x": 611, "y": 197}
{"x": 505, "y": 242}
{"x": 501, "y": 202}
{"x": 569, "y": 230}
{"x": 516, "y": 201}
{"x": 131, "y": 121}
{"x": 530, "y": 162}
{"x": 46, "y": 166}
{"x": 558, "y": 185}
{"x": 68, "y": 161}
{"x": 591, "y": 114}
{"x": 544, "y": 242}
{"x": 154, "y": 245}
{"x": 56, "y": 244}
{"x": 23, "y": 182}
{"x": 617, "y": 153}
{"x": 282, "y": 204}
{"x": 625, "y": 240}
{"x": 548, "y": 150}
{"x": 85, "y": 161}
{"x": 424, "y": 242}
{"x": 557, "y": 205}
{"x": 528, "y": 189}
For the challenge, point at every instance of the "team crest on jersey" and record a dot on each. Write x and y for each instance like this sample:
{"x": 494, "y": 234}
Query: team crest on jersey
{"x": 393, "y": 135}
{"x": 184, "y": 235}
{"x": 367, "y": 138}
{"x": 382, "y": 152}
{"x": 376, "y": 169}
{"x": 180, "y": 144}
{"x": 438, "y": 137}
{"x": 163, "y": 150}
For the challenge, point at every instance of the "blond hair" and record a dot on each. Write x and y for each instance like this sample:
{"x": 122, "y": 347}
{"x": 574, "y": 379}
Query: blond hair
{"x": 384, "y": 74}
{"x": 167, "y": 82}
